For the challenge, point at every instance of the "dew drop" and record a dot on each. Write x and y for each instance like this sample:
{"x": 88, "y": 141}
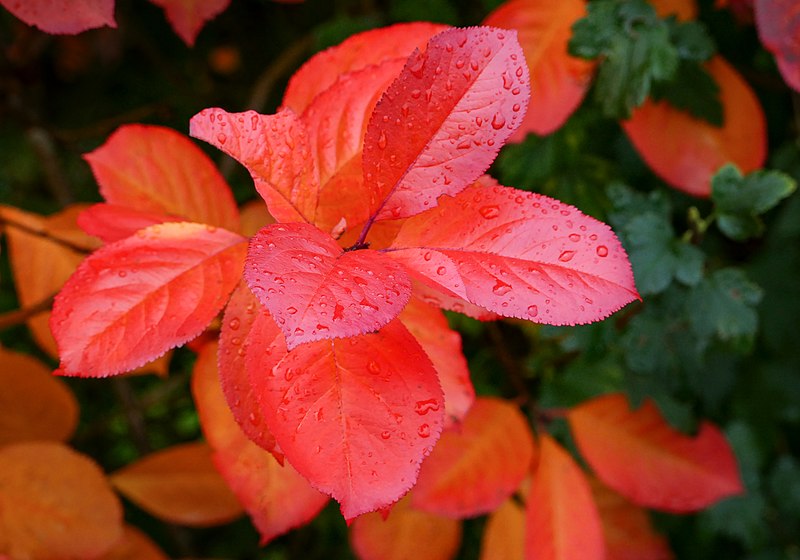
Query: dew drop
{"x": 426, "y": 406}
{"x": 427, "y": 256}
{"x": 374, "y": 367}
{"x": 533, "y": 311}
{"x": 234, "y": 324}
{"x": 507, "y": 81}
{"x": 386, "y": 434}
{"x": 501, "y": 288}
{"x": 566, "y": 256}
{"x": 122, "y": 274}
{"x": 441, "y": 271}
{"x": 498, "y": 121}
{"x": 489, "y": 212}
{"x": 291, "y": 310}
{"x": 382, "y": 140}
{"x": 602, "y": 251}
{"x": 424, "y": 430}
{"x": 222, "y": 137}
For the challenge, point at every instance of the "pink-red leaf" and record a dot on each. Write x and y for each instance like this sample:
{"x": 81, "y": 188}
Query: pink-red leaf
{"x": 179, "y": 484}
{"x": 640, "y": 456}
{"x": 562, "y": 522}
{"x": 355, "y": 416}
{"x": 518, "y": 254}
{"x": 685, "y": 151}
{"x": 315, "y": 290}
{"x": 558, "y": 81}
{"x": 337, "y": 120}
{"x": 133, "y": 300}
{"x": 188, "y": 17}
{"x": 778, "y": 24}
{"x": 113, "y": 222}
{"x": 443, "y": 346}
{"x": 53, "y": 499}
{"x": 274, "y": 149}
{"x": 63, "y": 16}
{"x": 405, "y": 533}
{"x": 441, "y": 123}
{"x": 276, "y": 497}
{"x": 357, "y": 52}
{"x": 158, "y": 170}
{"x": 477, "y": 465}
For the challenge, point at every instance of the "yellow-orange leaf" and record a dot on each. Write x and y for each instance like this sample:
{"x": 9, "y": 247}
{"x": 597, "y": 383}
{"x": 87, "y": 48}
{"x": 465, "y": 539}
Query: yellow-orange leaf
{"x": 134, "y": 545}
{"x": 684, "y": 10}
{"x": 562, "y": 522}
{"x": 643, "y": 458}
{"x": 685, "y": 151}
{"x": 405, "y": 533}
{"x": 54, "y": 501}
{"x": 180, "y": 485}
{"x": 558, "y": 80}
{"x": 34, "y": 404}
{"x": 627, "y": 528}
{"x": 477, "y": 465}
{"x": 504, "y": 535}
{"x": 276, "y": 497}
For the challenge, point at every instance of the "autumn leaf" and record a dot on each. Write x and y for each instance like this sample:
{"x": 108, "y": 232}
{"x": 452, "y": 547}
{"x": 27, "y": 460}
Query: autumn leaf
{"x": 562, "y": 522}
{"x": 188, "y": 17}
{"x": 640, "y": 456}
{"x": 687, "y": 151}
{"x": 180, "y": 485}
{"x": 134, "y": 545}
{"x": 778, "y": 24}
{"x": 133, "y": 300}
{"x": 559, "y": 81}
{"x": 63, "y": 16}
{"x": 315, "y": 290}
{"x": 504, "y": 534}
{"x": 35, "y": 405}
{"x": 478, "y": 464}
{"x": 405, "y": 533}
{"x": 41, "y": 482}
{"x": 684, "y": 10}
{"x": 518, "y": 254}
{"x": 441, "y": 123}
{"x": 114, "y": 222}
{"x": 157, "y": 170}
{"x": 275, "y": 496}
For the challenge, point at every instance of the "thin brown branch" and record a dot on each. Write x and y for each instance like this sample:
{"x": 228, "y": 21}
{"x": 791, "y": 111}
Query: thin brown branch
{"x": 45, "y": 149}
{"x": 4, "y": 220}
{"x": 516, "y": 374}
{"x": 19, "y": 316}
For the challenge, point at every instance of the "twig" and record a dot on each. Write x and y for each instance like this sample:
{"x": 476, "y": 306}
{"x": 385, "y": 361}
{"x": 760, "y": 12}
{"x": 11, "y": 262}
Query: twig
{"x": 19, "y": 316}
{"x": 515, "y": 373}
{"x": 45, "y": 235}
{"x": 43, "y": 145}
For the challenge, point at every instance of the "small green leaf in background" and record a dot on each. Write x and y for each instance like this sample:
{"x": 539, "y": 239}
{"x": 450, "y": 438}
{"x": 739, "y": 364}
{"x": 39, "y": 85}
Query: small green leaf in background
{"x": 723, "y": 304}
{"x": 741, "y": 200}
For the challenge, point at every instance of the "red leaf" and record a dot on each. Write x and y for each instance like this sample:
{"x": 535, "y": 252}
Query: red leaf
{"x": 627, "y": 528}
{"x": 245, "y": 323}
{"x": 518, "y": 254}
{"x": 476, "y": 466}
{"x": 276, "y": 497}
{"x": 315, "y": 290}
{"x": 558, "y": 81}
{"x": 35, "y": 404}
{"x": 63, "y": 16}
{"x": 54, "y": 500}
{"x": 778, "y": 24}
{"x": 443, "y": 346}
{"x": 349, "y": 414}
{"x": 133, "y": 300}
{"x": 685, "y": 151}
{"x": 405, "y": 533}
{"x": 337, "y": 120}
{"x": 442, "y": 121}
{"x": 562, "y": 522}
{"x": 357, "y": 52}
{"x": 274, "y": 149}
{"x": 640, "y": 456}
{"x": 112, "y": 222}
{"x": 158, "y": 170}
{"x": 187, "y": 17}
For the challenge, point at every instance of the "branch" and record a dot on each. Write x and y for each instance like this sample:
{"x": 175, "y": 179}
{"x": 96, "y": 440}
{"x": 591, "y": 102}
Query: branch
{"x": 19, "y": 316}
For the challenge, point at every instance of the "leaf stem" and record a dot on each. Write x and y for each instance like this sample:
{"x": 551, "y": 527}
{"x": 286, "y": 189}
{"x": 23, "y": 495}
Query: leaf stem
{"x": 19, "y": 316}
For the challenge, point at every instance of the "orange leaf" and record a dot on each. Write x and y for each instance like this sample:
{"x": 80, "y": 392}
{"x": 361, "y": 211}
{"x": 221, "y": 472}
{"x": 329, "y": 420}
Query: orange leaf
{"x": 504, "y": 535}
{"x": 685, "y": 151}
{"x": 254, "y": 216}
{"x": 276, "y": 497}
{"x": 627, "y": 528}
{"x": 405, "y": 533}
{"x": 477, "y": 465}
{"x": 640, "y": 456}
{"x": 35, "y": 405}
{"x": 180, "y": 485}
{"x": 684, "y": 10}
{"x": 562, "y": 521}
{"x": 160, "y": 171}
{"x": 558, "y": 81}
{"x": 187, "y": 17}
{"x": 443, "y": 345}
{"x": 53, "y": 499}
{"x": 134, "y": 545}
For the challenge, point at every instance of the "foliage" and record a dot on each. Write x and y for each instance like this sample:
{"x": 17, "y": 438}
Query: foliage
{"x": 478, "y": 367}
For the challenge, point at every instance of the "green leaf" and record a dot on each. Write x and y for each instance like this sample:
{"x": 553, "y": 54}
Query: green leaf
{"x": 723, "y": 305}
{"x": 784, "y": 484}
{"x": 693, "y": 90}
{"x": 741, "y": 200}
